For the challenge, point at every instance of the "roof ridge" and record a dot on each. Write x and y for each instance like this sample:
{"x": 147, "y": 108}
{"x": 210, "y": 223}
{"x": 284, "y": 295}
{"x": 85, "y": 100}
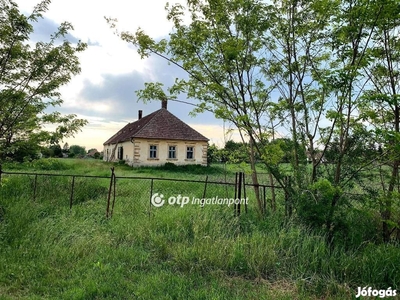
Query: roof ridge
{"x": 160, "y": 124}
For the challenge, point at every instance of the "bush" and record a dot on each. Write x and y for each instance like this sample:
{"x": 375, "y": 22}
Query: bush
{"x": 49, "y": 164}
{"x": 169, "y": 166}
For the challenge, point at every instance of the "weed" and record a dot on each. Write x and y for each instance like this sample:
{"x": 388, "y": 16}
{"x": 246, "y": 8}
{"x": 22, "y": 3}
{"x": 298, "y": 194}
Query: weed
{"x": 52, "y": 252}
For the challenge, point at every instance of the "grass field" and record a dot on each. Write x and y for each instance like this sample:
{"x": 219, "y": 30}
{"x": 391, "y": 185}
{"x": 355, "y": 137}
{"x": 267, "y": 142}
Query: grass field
{"x": 51, "y": 252}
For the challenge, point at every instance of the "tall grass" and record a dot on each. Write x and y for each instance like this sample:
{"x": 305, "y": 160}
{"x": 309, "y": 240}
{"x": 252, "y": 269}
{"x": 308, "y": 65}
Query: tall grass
{"x": 143, "y": 252}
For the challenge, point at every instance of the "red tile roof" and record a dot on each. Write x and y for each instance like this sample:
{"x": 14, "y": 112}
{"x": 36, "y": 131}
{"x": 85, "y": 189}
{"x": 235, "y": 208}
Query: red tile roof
{"x": 161, "y": 124}
{"x": 92, "y": 152}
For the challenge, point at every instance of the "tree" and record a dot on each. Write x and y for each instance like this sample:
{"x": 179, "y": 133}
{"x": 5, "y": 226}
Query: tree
{"x": 77, "y": 150}
{"x": 30, "y": 77}
{"x": 221, "y": 53}
{"x": 236, "y": 152}
{"x": 55, "y": 150}
{"x": 380, "y": 107}
{"x": 313, "y": 72}
{"x": 213, "y": 154}
{"x": 66, "y": 148}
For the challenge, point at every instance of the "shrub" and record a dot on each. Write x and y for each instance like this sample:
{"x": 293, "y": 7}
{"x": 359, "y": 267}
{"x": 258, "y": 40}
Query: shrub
{"x": 49, "y": 164}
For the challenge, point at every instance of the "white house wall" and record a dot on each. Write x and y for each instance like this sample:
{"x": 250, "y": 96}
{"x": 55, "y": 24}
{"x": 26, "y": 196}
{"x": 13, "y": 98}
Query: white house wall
{"x": 127, "y": 152}
{"x": 138, "y": 152}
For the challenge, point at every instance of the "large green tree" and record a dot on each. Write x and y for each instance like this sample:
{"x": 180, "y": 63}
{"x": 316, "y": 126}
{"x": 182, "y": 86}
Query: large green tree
{"x": 77, "y": 150}
{"x": 380, "y": 109}
{"x": 30, "y": 78}
{"x": 322, "y": 73}
{"x": 221, "y": 51}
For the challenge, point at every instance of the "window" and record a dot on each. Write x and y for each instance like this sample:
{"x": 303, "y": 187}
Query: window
{"x": 189, "y": 153}
{"x": 172, "y": 152}
{"x": 153, "y": 151}
{"x": 120, "y": 153}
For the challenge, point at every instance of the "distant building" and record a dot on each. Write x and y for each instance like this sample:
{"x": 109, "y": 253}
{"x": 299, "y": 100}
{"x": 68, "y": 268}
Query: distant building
{"x": 93, "y": 153}
{"x": 156, "y": 139}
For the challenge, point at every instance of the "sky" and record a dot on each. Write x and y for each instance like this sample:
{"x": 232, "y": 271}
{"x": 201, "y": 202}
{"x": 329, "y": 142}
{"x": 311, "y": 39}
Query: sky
{"x": 104, "y": 92}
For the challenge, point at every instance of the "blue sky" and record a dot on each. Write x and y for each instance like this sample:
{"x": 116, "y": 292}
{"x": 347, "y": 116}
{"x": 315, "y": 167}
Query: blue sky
{"x": 104, "y": 92}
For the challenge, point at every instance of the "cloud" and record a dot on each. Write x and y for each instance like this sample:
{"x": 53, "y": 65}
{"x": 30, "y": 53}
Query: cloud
{"x": 44, "y": 28}
{"x": 90, "y": 43}
{"x": 104, "y": 91}
{"x": 113, "y": 95}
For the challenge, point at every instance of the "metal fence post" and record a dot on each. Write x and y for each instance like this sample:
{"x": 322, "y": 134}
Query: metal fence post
{"x": 109, "y": 192}
{"x": 72, "y": 192}
{"x": 151, "y": 195}
{"x": 239, "y": 196}
{"x": 244, "y": 193}
{"x": 34, "y": 188}
{"x": 264, "y": 199}
{"x": 112, "y": 207}
{"x": 204, "y": 192}
{"x": 236, "y": 190}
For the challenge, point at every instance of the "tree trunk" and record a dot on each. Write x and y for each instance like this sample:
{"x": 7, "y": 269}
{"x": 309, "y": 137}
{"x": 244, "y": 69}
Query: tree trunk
{"x": 254, "y": 178}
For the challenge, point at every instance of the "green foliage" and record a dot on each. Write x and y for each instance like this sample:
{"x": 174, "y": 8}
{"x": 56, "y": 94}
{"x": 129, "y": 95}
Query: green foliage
{"x": 323, "y": 74}
{"x": 30, "y": 77}
{"x": 213, "y": 154}
{"x": 24, "y": 150}
{"x": 315, "y": 203}
{"x": 273, "y": 153}
{"x": 235, "y": 152}
{"x": 184, "y": 169}
{"x": 198, "y": 251}
{"x": 55, "y": 151}
{"x": 48, "y": 164}
{"x": 77, "y": 150}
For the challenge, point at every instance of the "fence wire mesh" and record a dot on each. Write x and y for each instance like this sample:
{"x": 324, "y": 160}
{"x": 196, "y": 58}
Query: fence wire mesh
{"x": 136, "y": 193}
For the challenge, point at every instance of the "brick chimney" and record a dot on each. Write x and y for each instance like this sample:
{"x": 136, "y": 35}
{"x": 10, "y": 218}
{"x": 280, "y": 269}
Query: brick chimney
{"x": 164, "y": 103}
{"x": 140, "y": 113}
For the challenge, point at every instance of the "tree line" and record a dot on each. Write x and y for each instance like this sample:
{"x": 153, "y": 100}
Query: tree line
{"x": 322, "y": 73}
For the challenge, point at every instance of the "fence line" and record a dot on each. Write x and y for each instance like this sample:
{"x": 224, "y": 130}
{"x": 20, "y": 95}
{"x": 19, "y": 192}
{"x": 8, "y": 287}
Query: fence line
{"x": 240, "y": 186}
{"x": 134, "y": 177}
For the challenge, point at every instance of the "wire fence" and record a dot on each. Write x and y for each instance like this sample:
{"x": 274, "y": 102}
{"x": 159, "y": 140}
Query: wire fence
{"x": 146, "y": 193}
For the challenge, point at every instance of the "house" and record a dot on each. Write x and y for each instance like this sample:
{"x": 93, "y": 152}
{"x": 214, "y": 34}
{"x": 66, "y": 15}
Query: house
{"x": 93, "y": 153}
{"x": 156, "y": 139}
{"x": 317, "y": 155}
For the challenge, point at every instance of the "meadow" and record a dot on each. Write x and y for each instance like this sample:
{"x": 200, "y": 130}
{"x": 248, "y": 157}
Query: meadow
{"x": 49, "y": 251}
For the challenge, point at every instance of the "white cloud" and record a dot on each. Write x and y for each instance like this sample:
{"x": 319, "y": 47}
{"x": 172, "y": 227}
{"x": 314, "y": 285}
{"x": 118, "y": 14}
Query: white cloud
{"x": 88, "y": 16}
{"x": 107, "y": 55}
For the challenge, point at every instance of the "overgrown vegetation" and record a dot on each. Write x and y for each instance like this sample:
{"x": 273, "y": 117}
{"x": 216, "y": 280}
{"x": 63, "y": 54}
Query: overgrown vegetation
{"x": 312, "y": 83}
{"x": 311, "y": 86}
{"x": 49, "y": 251}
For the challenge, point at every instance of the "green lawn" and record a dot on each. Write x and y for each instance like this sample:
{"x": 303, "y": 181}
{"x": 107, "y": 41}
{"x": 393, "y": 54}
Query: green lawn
{"x": 51, "y": 252}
